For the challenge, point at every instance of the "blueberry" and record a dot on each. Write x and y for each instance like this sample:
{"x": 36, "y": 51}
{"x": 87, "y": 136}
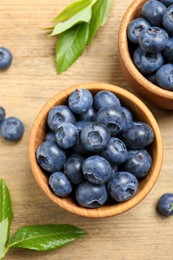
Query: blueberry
{"x": 58, "y": 115}
{"x": 168, "y": 51}
{"x": 114, "y": 119}
{"x": 147, "y": 62}
{"x": 137, "y": 135}
{"x": 165, "y": 204}
{"x": 50, "y": 136}
{"x": 135, "y": 28}
{"x": 105, "y": 99}
{"x": 80, "y": 149}
{"x": 122, "y": 186}
{"x": 138, "y": 163}
{"x": 80, "y": 125}
{"x": 168, "y": 19}
{"x": 5, "y": 58}
{"x": 90, "y": 195}
{"x": 152, "y": 78}
{"x": 12, "y": 129}
{"x": 94, "y": 137}
{"x": 97, "y": 169}
{"x": 88, "y": 116}
{"x": 153, "y": 11}
{"x": 128, "y": 114}
{"x": 50, "y": 157}
{"x": 2, "y": 114}
{"x": 114, "y": 169}
{"x": 164, "y": 77}
{"x": 66, "y": 135}
{"x": 60, "y": 184}
{"x": 167, "y": 2}
{"x": 116, "y": 151}
{"x": 154, "y": 39}
{"x": 73, "y": 169}
{"x": 80, "y": 101}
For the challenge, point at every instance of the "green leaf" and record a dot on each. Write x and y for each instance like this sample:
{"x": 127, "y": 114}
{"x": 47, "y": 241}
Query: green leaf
{"x": 100, "y": 14}
{"x": 3, "y": 237}
{"x": 73, "y": 9}
{"x": 82, "y": 16}
{"x": 48, "y": 28}
{"x": 45, "y": 237}
{"x": 70, "y": 46}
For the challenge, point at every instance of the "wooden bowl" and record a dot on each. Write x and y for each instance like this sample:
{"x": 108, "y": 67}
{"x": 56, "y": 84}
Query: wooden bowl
{"x": 152, "y": 93}
{"x": 141, "y": 113}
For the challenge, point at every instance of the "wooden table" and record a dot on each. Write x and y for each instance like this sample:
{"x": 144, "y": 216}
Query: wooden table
{"x": 141, "y": 233}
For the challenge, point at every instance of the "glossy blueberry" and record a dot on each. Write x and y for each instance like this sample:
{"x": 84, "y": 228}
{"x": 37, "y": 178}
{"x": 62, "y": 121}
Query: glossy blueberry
{"x": 152, "y": 78}
{"x": 12, "y": 129}
{"x": 90, "y": 195}
{"x": 66, "y": 135}
{"x": 122, "y": 186}
{"x": 105, "y": 99}
{"x": 137, "y": 135}
{"x": 154, "y": 39}
{"x": 73, "y": 169}
{"x": 167, "y": 2}
{"x": 88, "y": 116}
{"x": 147, "y": 62}
{"x": 96, "y": 169}
{"x": 168, "y": 19}
{"x": 165, "y": 204}
{"x": 153, "y": 11}
{"x": 135, "y": 28}
{"x": 2, "y": 114}
{"x": 116, "y": 151}
{"x": 168, "y": 51}
{"x": 164, "y": 77}
{"x": 58, "y": 115}
{"x": 5, "y": 58}
{"x": 50, "y": 157}
{"x": 80, "y": 125}
{"x": 80, "y": 101}
{"x": 114, "y": 119}
{"x": 60, "y": 184}
{"x": 138, "y": 163}
{"x": 128, "y": 114}
{"x": 95, "y": 137}
{"x": 50, "y": 136}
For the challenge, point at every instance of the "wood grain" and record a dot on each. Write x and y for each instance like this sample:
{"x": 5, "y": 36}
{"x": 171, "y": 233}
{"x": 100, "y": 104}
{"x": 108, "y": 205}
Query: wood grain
{"x": 139, "y": 234}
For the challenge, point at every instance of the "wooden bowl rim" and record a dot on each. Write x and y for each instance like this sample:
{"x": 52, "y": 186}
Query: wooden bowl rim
{"x": 104, "y": 211}
{"x": 125, "y": 55}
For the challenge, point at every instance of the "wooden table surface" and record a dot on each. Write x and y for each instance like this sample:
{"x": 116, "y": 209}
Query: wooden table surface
{"x": 141, "y": 233}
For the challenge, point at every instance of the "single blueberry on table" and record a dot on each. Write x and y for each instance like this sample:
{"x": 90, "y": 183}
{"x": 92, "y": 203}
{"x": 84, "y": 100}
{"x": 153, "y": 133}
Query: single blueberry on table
{"x": 5, "y": 58}
{"x": 122, "y": 186}
{"x": 73, "y": 169}
{"x": 154, "y": 39}
{"x": 66, "y": 135}
{"x": 50, "y": 157}
{"x": 95, "y": 137}
{"x": 80, "y": 101}
{"x": 58, "y": 115}
{"x": 88, "y": 116}
{"x": 168, "y": 51}
{"x": 165, "y": 204}
{"x": 12, "y": 129}
{"x": 135, "y": 28}
{"x": 104, "y": 99}
{"x": 113, "y": 118}
{"x": 167, "y": 2}
{"x": 138, "y": 163}
{"x": 147, "y": 62}
{"x": 50, "y": 136}
{"x": 97, "y": 169}
{"x": 168, "y": 19}
{"x": 128, "y": 114}
{"x": 60, "y": 184}
{"x": 2, "y": 114}
{"x": 164, "y": 77}
{"x": 137, "y": 135}
{"x": 152, "y": 78}
{"x": 80, "y": 125}
{"x": 153, "y": 11}
{"x": 90, "y": 195}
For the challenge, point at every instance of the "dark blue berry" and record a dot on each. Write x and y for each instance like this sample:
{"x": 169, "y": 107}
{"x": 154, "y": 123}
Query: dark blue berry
{"x": 60, "y": 184}
{"x": 164, "y": 77}
{"x": 168, "y": 51}
{"x": 88, "y": 116}
{"x": 167, "y": 2}
{"x": 128, "y": 114}
{"x": 168, "y": 19}
{"x": 105, "y": 99}
{"x": 135, "y": 28}
{"x": 152, "y": 78}
{"x": 50, "y": 136}
{"x": 66, "y": 135}
{"x": 165, "y": 204}
{"x": 80, "y": 125}
{"x": 12, "y": 129}
{"x": 2, "y": 114}
{"x": 5, "y": 58}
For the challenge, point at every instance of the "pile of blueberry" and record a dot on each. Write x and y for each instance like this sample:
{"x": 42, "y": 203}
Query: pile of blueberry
{"x": 152, "y": 36}
{"x": 94, "y": 149}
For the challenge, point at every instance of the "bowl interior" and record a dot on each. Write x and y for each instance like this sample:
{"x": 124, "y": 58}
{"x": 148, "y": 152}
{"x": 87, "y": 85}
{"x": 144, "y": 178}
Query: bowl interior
{"x": 141, "y": 113}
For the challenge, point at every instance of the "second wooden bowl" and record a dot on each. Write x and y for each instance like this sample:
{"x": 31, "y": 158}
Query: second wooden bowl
{"x": 141, "y": 113}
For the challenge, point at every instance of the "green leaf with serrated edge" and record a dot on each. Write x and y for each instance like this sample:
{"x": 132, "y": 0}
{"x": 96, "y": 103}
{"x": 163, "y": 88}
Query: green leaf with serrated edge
{"x": 73, "y": 9}
{"x": 45, "y": 237}
{"x": 3, "y": 237}
{"x": 70, "y": 46}
{"x": 100, "y": 12}
{"x": 82, "y": 16}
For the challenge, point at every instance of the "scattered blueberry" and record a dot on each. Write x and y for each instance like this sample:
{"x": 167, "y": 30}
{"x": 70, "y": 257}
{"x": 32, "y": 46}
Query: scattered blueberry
{"x": 12, "y": 129}
{"x": 135, "y": 28}
{"x": 50, "y": 136}
{"x": 152, "y": 78}
{"x": 5, "y": 58}
{"x": 60, "y": 184}
{"x": 88, "y": 116}
{"x": 128, "y": 114}
{"x": 168, "y": 19}
{"x": 2, "y": 114}
{"x": 66, "y": 135}
{"x": 168, "y": 51}
{"x": 164, "y": 76}
{"x": 165, "y": 205}
{"x": 105, "y": 99}
{"x": 90, "y": 195}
